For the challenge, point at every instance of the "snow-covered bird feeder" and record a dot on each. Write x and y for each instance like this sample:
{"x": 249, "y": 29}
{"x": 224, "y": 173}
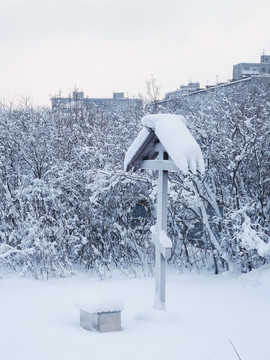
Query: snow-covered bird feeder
{"x": 164, "y": 144}
{"x": 100, "y": 313}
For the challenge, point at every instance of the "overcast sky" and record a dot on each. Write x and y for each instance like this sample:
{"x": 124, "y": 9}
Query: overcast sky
{"x": 103, "y": 46}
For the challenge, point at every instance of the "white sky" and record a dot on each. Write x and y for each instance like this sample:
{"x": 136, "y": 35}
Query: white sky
{"x": 103, "y": 46}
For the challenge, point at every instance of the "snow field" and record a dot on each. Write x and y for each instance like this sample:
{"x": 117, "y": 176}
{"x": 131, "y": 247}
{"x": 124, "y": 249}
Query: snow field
{"x": 38, "y": 320}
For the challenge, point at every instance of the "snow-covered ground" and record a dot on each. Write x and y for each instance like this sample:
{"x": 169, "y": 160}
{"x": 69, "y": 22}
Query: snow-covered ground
{"x": 38, "y": 320}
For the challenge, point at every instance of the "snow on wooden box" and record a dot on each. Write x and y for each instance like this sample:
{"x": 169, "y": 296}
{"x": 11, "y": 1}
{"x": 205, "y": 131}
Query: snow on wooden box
{"x": 99, "y": 313}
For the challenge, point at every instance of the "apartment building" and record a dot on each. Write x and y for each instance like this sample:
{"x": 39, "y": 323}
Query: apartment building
{"x": 242, "y": 70}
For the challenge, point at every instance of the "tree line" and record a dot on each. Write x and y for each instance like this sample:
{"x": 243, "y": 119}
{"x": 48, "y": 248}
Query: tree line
{"x": 66, "y": 204}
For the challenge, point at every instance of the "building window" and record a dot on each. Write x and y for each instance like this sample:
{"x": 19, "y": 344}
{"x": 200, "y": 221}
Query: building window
{"x": 246, "y": 68}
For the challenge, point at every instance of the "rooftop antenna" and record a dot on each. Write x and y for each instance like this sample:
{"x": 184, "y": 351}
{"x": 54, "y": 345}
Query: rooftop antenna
{"x": 263, "y": 56}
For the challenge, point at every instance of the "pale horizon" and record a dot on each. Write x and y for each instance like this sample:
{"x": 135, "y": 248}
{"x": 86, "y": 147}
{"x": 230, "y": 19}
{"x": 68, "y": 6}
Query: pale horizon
{"x": 103, "y": 46}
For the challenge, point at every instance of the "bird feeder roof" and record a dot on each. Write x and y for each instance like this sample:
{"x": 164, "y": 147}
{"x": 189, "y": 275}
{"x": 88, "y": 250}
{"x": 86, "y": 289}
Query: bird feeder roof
{"x": 171, "y": 131}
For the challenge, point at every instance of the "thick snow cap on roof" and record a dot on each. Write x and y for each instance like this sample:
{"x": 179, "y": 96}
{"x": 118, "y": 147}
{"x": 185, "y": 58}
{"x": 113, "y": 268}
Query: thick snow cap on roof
{"x": 175, "y": 137}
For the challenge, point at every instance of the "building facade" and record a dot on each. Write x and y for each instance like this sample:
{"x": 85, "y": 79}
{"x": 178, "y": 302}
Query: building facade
{"x": 183, "y": 89}
{"x": 242, "y": 70}
{"x": 78, "y": 98}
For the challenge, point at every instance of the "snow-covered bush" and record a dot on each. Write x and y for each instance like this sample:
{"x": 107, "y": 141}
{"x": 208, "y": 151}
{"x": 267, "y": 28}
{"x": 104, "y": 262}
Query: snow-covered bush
{"x": 66, "y": 203}
{"x": 52, "y": 164}
{"x": 232, "y": 126}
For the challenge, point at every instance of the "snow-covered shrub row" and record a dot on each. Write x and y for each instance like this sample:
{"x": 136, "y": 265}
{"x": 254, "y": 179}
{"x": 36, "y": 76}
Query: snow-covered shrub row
{"x": 225, "y": 215}
{"x": 66, "y": 203}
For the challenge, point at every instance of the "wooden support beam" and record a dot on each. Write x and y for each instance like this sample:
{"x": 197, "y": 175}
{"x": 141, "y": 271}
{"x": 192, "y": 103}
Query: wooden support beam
{"x": 167, "y": 165}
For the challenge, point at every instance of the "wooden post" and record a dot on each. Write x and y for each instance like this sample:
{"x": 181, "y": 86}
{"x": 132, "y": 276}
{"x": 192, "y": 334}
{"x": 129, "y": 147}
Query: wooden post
{"x": 162, "y": 249}
{"x": 160, "y": 265}
{"x": 142, "y": 154}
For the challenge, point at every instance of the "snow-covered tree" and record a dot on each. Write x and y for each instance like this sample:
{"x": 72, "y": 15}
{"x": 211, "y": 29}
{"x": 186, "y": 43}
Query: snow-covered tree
{"x": 231, "y": 124}
{"x": 66, "y": 203}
